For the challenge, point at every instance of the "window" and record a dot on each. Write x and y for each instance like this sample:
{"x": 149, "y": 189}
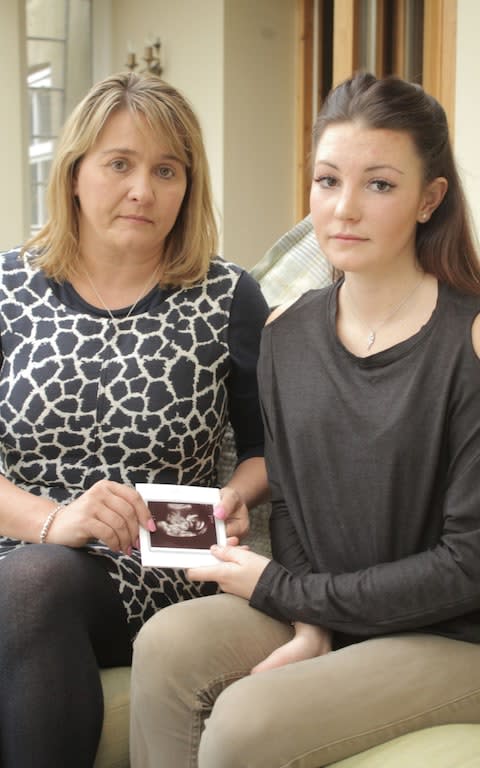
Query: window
{"x": 58, "y": 74}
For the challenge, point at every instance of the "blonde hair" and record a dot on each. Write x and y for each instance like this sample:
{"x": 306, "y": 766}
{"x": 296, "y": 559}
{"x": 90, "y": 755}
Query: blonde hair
{"x": 192, "y": 241}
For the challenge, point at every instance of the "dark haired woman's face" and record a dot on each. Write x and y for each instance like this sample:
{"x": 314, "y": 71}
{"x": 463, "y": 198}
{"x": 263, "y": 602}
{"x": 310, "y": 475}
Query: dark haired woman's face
{"x": 367, "y": 196}
{"x": 131, "y": 187}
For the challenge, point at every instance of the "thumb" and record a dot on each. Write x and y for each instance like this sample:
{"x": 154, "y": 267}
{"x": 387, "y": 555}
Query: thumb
{"x": 227, "y": 553}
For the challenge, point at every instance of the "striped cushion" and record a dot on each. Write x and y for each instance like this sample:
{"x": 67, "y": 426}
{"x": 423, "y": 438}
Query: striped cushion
{"x": 292, "y": 266}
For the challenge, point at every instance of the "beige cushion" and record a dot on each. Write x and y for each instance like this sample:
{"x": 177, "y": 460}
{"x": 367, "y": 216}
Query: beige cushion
{"x": 444, "y": 746}
{"x": 113, "y": 747}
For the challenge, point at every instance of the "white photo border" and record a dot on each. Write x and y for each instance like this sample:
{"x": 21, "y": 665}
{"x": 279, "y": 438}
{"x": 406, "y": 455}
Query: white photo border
{"x": 174, "y": 557}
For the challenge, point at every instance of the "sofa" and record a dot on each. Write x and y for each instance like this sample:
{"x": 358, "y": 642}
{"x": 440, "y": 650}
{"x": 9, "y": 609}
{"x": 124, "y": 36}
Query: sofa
{"x": 443, "y": 746}
{"x": 292, "y": 266}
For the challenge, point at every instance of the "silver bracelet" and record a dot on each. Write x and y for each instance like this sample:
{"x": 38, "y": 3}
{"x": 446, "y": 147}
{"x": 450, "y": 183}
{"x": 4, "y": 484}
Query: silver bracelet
{"x": 48, "y": 522}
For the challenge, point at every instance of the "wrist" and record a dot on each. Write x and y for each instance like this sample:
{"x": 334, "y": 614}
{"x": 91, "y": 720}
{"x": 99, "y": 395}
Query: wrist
{"x": 49, "y": 522}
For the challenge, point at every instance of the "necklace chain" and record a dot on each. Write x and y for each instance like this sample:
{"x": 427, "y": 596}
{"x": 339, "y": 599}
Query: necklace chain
{"x": 142, "y": 293}
{"x": 372, "y": 332}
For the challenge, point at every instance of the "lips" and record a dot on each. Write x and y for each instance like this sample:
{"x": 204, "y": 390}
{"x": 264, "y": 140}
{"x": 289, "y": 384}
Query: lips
{"x": 349, "y": 238}
{"x": 135, "y": 218}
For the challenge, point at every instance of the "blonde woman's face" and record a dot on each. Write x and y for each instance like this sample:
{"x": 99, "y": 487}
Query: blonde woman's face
{"x": 130, "y": 188}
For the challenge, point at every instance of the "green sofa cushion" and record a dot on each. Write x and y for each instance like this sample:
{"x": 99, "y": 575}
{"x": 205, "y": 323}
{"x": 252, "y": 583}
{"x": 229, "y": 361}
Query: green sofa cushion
{"x": 443, "y": 746}
{"x": 113, "y": 748}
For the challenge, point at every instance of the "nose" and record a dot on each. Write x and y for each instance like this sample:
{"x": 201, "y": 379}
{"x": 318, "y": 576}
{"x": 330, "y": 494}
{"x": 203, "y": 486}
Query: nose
{"x": 141, "y": 188}
{"x": 347, "y": 207}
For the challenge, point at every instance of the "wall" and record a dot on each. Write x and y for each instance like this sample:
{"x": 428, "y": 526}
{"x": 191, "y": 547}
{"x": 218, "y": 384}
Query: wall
{"x": 191, "y": 34}
{"x": 14, "y": 199}
{"x": 234, "y": 60}
{"x": 467, "y": 106}
{"x": 239, "y": 51}
{"x": 259, "y": 118}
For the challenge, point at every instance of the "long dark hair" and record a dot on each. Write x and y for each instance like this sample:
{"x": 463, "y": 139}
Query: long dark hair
{"x": 445, "y": 244}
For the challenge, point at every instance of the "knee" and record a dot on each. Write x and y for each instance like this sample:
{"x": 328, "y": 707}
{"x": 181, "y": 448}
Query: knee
{"x": 41, "y": 582}
{"x": 176, "y": 656}
{"x": 152, "y": 646}
{"x": 31, "y": 592}
{"x": 38, "y": 572}
{"x": 186, "y": 630}
{"x": 167, "y": 644}
{"x": 170, "y": 633}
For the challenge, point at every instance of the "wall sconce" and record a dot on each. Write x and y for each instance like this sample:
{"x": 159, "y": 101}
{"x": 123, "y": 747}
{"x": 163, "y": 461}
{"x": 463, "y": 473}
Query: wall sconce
{"x": 151, "y": 57}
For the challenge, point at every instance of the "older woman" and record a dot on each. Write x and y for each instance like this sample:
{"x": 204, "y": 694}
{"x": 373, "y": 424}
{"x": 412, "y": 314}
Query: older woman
{"x": 126, "y": 345}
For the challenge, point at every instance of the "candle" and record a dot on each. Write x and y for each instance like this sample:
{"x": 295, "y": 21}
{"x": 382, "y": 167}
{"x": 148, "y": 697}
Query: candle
{"x": 148, "y": 53}
{"x": 131, "y": 60}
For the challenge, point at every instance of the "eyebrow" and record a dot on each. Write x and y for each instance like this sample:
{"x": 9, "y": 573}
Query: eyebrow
{"x": 127, "y": 151}
{"x": 369, "y": 169}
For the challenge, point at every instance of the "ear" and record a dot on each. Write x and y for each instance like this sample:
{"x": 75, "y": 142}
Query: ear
{"x": 74, "y": 176}
{"x": 433, "y": 195}
{"x": 76, "y": 198}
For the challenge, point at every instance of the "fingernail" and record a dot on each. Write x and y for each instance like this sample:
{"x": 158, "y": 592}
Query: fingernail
{"x": 219, "y": 512}
{"x": 151, "y": 526}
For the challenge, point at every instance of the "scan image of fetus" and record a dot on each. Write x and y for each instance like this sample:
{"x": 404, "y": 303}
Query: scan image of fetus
{"x": 181, "y": 524}
{"x": 181, "y": 520}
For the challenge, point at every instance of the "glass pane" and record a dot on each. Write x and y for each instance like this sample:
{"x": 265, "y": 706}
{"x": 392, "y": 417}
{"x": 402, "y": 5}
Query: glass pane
{"x": 390, "y": 37}
{"x": 59, "y": 56}
{"x": 414, "y": 40}
{"x": 367, "y": 35}
{"x": 38, "y": 176}
{"x": 46, "y": 19}
{"x": 46, "y": 113}
{"x": 41, "y": 54}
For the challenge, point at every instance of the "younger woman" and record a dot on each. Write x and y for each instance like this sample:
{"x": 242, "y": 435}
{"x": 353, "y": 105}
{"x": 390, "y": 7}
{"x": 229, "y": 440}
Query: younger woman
{"x": 371, "y": 400}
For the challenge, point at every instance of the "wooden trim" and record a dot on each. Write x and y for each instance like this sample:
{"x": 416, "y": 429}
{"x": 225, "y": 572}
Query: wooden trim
{"x": 439, "y": 53}
{"x": 304, "y": 78}
{"x": 319, "y": 32}
{"x": 399, "y": 45}
{"x": 345, "y": 43}
{"x": 380, "y": 39}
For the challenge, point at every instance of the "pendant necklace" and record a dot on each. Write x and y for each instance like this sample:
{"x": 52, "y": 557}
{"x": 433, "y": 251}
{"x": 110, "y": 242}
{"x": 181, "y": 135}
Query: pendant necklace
{"x": 372, "y": 332}
{"x": 142, "y": 293}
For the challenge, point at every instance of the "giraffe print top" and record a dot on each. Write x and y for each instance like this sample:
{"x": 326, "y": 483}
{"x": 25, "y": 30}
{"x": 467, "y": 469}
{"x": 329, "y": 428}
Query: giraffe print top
{"x": 144, "y": 398}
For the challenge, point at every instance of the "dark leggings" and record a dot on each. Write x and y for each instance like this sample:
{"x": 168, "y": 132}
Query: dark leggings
{"x": 61, "y": 619}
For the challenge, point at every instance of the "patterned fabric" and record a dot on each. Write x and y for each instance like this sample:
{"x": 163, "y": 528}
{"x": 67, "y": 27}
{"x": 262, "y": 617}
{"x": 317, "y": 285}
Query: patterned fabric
{"x": 139, "y": 399}
{"x": 292, "y": 266}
